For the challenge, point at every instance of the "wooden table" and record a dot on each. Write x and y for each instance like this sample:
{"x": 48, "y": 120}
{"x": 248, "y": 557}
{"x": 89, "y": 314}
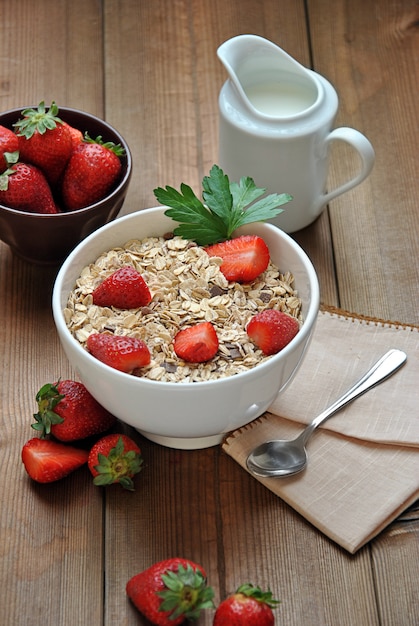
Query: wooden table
{"x": 150, "y": 68}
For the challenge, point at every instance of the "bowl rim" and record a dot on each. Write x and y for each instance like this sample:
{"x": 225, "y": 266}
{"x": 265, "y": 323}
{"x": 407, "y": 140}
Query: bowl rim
{"x": 91, "y": 207}
{"x": 302, "y": 336}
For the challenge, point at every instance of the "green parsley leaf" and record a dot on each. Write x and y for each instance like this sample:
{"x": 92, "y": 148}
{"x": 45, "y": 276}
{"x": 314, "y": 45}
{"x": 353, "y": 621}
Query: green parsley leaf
{"x": 228, "y": 205}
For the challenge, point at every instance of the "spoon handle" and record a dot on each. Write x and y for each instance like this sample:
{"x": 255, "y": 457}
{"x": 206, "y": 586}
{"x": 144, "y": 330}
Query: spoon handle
{"x": 382, "y": 369}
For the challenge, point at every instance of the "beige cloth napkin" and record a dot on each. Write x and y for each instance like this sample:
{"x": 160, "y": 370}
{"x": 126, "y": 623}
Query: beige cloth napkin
{"x": 363, "y": 468}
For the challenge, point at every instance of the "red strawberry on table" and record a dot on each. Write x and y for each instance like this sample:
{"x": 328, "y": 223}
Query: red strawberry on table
{"x": 170, "y": 592}
{"x": 44, "y": 141}
{"x": 47, "y": 461}
{"x": 272, "y": 330}
{"x": 124, "y": 289}
{"x": 196, "y": 344}
{"x": 8, "y": 143}
{"x": 24, "y": 187}
{"x": 122, "y": 353}
{"x": 244, "y": 258}
{"x": 69, "y": 412}
{"x": 249, "y": 606}
{"x": 92, "y": 171}
{"x": 115, "y": 459}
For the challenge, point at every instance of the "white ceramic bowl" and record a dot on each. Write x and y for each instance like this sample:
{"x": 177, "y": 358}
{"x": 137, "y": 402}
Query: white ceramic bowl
{"x": 186, "y": 415}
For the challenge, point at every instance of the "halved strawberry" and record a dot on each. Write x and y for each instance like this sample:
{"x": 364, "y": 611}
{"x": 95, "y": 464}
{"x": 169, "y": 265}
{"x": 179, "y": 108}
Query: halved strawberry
{"x": 272, "y": 330}
{"x": 244, "y": 258}
{"x": 197, "y": 343}
{"x": 122, "y": 353}
{"x": 124, "y": 289}
{"x": 47, "y": 461}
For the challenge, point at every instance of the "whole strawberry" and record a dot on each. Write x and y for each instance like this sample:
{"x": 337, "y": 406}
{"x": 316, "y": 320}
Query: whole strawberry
{"x": 122, "y": 353}
{"x": 44, "y": 141}
{"x": 115, "y": 459}
{"x": 249, "y": 606}
{"x": 76, "y": 135}
{"x": 24, "y": 187}
{"x": 92, "y": 171}
{"x": 8, "y": 143}
{"x": 47, "y": 461}
{"x": 170, "y": 592}
{"x": 69, "y": 412}
{"x": 124, "y": 289}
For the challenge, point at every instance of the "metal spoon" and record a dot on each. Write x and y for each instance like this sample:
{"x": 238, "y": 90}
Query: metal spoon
{"x": 287, "y": 457}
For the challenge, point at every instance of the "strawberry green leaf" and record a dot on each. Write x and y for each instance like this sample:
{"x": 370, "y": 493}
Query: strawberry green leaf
{"x": 186, "y": 593}
{"x": 116, "y": 148}
{"x": 264, "y": 597}
{"x": 38, "y": 120}
{"x": 47, "y": 398}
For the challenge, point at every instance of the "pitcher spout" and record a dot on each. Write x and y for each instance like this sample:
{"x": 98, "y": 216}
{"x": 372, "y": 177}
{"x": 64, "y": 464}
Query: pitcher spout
{"x": 267, "y": 80}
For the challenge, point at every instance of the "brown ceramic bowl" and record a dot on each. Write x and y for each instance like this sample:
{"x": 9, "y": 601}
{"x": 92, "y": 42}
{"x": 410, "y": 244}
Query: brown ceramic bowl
{"x": 48, "y": 239}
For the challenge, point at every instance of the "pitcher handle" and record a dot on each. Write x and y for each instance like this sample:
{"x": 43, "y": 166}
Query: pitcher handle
{"x": 365, "y": 150}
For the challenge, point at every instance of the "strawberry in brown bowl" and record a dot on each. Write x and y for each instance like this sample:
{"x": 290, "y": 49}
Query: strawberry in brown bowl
{"x": 45, "y": 148}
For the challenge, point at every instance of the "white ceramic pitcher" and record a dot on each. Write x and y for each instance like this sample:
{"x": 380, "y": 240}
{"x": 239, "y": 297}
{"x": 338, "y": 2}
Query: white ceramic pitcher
{"x": 276, "y": 125}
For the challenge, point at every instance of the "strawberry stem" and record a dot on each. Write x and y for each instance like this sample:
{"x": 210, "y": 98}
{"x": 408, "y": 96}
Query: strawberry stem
{"x": 118, "y": 467}
{"x": 186, "y": 593}
{"x": 47, "y": 398}
{"x": 265, "y": 597}
{"x": 38, "y": 120}
{"x": 116, "y": 148}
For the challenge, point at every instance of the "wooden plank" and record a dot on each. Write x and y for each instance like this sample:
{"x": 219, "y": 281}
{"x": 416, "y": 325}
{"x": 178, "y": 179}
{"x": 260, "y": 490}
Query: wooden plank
{"x": 150, "y": 93}
{"x": 51, "y": 51}
{"x": 173, "y": 512}
{"x": 51, "y": 546}
{"x": 369, "y": 52}
{"x": 395, "y": 556}
{"x": 51, "y": 535}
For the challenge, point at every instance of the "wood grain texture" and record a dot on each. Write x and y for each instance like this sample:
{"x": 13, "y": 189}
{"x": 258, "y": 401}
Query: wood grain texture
{"x": 151, "y": 69}
{"x": 369, "y": 52}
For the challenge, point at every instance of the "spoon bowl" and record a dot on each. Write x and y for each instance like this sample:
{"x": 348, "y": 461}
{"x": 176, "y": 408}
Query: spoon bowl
{"x": 281, "y": 457}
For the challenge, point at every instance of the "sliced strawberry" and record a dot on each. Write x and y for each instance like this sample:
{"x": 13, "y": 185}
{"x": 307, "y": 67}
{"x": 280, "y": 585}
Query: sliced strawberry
{"x": 197, "y": 343}
{"x": 115, "y": 459}
{"x": 272, "y": 330}
{"x": 122, "y": 353}
{"x": 244, "y": 258}
{"x": 47, "y": 461}
{"x": 124, "y": 289}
